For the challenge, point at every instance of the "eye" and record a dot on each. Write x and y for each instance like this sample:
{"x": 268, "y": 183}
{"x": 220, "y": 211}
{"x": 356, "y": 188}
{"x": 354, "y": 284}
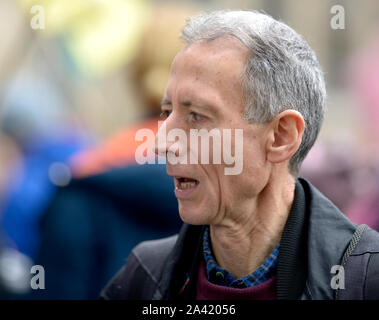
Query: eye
{"x": 165, "y": 114}
{"x": 195, "y": 117}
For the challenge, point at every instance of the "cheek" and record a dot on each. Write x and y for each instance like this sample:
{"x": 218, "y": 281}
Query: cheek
{"x": 254, "y": 156}
{"x": 221, "y": 189}
{"x": 236, "y": 189}
{"x": 254, "y": 173}
{"x": 213, "y": 182}
{"x": 225, "y": 191}
{"x": 216, "y": 188}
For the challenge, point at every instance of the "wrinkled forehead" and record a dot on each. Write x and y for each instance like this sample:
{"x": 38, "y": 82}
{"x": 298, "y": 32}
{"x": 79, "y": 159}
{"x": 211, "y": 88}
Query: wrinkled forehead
{"x": 225, "y": 53}
{"x": 218, "y": 63}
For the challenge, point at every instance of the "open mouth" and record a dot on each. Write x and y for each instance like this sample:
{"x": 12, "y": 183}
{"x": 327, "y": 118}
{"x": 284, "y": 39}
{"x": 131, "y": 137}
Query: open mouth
{"x": 183, "y": 183}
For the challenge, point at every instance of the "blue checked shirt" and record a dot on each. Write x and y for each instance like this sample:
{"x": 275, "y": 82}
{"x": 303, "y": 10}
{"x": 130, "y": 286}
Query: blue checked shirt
{"x": 222, "y": 277}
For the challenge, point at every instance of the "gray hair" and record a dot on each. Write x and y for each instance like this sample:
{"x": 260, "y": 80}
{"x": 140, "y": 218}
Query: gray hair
{"x": 281, "y": 72}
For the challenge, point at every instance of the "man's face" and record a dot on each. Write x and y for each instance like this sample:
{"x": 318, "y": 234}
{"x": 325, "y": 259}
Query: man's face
{"x": 205, "y": 92}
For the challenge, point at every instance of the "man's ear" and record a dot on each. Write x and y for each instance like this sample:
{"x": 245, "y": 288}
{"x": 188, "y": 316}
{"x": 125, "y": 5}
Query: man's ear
{"x": 287, "y": 130}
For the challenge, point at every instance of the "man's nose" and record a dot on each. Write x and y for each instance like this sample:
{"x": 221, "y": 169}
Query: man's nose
{"x": 160, "y": 141}
{"x": 161, "y": 144}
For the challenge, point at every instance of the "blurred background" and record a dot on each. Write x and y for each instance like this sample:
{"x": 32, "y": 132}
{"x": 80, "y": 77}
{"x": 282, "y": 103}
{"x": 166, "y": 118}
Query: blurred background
{"x": 78, "y": 78}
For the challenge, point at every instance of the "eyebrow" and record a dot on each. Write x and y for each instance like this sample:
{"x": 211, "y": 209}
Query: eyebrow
{"x": 205, "y": 107}
{"x": 187, "y": 103}
{"x": 165, "y": 101}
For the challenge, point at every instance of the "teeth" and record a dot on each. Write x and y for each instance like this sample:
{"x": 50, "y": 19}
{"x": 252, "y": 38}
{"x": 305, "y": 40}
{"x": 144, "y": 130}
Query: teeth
{"x": 187, "y": 185}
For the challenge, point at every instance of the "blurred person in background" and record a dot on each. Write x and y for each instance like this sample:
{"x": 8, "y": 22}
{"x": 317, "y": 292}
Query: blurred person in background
{"x": 35, "y": 117}
{"x": 93, "y": 223}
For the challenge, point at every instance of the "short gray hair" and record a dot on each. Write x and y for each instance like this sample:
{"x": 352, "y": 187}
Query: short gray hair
{"x": 281, "y": 72}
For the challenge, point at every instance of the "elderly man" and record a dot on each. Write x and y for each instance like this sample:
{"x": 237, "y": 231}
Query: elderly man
{"x": 263, "y": 233}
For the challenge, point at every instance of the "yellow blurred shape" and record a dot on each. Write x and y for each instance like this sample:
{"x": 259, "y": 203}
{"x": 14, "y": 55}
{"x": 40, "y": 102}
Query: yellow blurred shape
{"x": 99, "y": 35}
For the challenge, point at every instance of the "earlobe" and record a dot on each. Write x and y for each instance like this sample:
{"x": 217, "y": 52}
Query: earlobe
{"x": 287, "y": 131}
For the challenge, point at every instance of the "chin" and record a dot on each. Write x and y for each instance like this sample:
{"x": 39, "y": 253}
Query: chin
{"x": 192, "y": 214}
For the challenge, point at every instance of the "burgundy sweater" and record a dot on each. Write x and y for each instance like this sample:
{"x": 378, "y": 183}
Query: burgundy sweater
{"x": 209, "y": 291}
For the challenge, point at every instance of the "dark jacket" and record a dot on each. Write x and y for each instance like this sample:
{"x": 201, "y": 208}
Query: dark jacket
{"x": 316, "y": 237}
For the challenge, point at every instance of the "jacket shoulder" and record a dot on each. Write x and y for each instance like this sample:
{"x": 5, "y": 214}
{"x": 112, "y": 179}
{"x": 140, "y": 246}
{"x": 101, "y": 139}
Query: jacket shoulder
{"x": 329, "y": 234}
{"x": 361, "y": 266}
{"x": 138, "y": 278}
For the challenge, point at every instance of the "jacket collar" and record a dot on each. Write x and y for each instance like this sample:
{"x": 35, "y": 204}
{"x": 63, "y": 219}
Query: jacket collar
{"x": 292, "y": 264}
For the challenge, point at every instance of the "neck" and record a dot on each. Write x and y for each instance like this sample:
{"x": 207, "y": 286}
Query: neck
{"x": 242, "y": 244}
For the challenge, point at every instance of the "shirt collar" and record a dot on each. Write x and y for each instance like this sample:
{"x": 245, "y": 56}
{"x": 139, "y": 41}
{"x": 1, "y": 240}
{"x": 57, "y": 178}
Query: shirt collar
{"x": 219, "y": 276}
